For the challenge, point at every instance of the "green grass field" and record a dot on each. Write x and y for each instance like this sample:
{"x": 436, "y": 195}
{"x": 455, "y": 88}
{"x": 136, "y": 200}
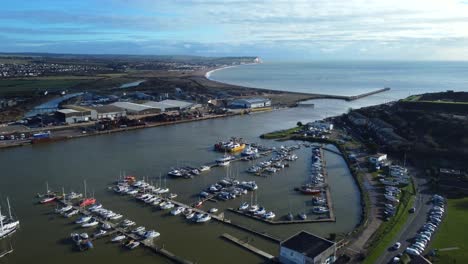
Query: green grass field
{"x": 281, "y": 133}
{"x": 19, "y": 86}
{"x": 453, "y": 232}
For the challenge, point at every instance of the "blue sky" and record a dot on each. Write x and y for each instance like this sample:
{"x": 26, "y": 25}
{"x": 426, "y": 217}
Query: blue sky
{"x": 282, "y": 29}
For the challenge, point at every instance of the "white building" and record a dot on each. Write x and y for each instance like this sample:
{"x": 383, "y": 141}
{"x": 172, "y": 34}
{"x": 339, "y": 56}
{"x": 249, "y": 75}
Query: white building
{"x": 136, "y": 109}
{"x": 170, "y": 105}
{"x": 306, "y": 248}
{"x": 71, "y": 116}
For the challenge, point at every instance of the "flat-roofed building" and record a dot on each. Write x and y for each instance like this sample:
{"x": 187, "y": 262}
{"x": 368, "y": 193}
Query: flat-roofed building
{"x": 109, "y": 112}
{"x": 80, "y": 108}
{"x": 170, "y": 105}
{"x": 136, "y": 109}
{"x": 250, "y": 103}
{"x": 71, "y": 116}
{"x": 306, "y": 248}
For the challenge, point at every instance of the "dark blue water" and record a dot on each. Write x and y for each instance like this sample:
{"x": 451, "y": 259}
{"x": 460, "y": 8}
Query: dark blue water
{"x": 350, "y": 77}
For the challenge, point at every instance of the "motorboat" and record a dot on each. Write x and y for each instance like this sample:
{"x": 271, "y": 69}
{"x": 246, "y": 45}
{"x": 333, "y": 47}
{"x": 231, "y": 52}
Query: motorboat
{"x": 253, "y": 208}
{"x": 83, "y": 219}
{"x": 64, "y": 209}
{"x": 116, "y": 217}
{"x": 260, "y": 212}
{"x": 190, "y": 215}
{"x": 71, "y": 213}
{"x": 151, "y": 234}
{"x": 100, "y": 233}
{"x": 48, "y": 199}
{"x": 172, "y": 195}
{"x": 320, "y": 209}
{"x": 92, "y": 222}
{"x": 73, "y": 196}
{"x": 139, "y": 229}
{"x": 167, "y": 205}
{"x": 269, "y": 215}
{"x": 244, "y": 206}
{"x": 88, "y": 202}
{"x": 163, "y": 190}
{"x": 290, "y": 216}
{"x": 204, "y": 218}
{"x": 95, "y": 207}
{"x": 178, "y": 210}
{"x": 127, "y": 223}
{"x": 302, "y": 216}
{"x": 213, "y": 210}
{"x": 198, "y": 204}
{"x": 106, "y": 226}
{"x": 204, "y": 168}
{"x": 118, "y": 238}
{"x": 132, "y": 244}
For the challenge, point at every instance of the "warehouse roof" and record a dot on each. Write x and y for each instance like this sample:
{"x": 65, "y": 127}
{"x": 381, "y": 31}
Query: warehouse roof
{"x": 307, "y": 244}
{"x": 253, "y": 100}
{"x": 107, "y": 109}
{"x": 169, "y": 104}
{"x": 67, "y": 111}
{"x": 132, "y": 106}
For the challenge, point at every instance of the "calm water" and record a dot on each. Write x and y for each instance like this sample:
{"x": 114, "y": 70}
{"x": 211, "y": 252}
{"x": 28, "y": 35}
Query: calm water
{"x": 350, "y": 78}
{"x": 150, "y": 152}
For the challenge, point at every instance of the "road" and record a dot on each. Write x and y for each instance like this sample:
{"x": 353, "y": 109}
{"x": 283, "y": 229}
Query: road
{"x": 414, "y": 222}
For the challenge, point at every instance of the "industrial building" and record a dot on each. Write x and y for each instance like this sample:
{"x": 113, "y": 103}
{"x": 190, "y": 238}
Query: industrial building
{"x": 109, "y": 112}
{"x": 136, "y": 109}
{"x": 170, "y": 105}
{"x": 71, "y": 116}
{"x": 250, "y": 103}
{"x": 305, "y": 248}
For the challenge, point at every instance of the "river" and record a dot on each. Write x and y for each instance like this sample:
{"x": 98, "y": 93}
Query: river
{"x": 149, "y": 152}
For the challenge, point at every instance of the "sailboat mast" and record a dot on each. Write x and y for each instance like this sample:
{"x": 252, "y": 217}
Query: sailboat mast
{"x": 47, "y": 187}
{"x": 85, "y": 189}
{"x": 9, "y": 208}
{"x": 1, "y": 219}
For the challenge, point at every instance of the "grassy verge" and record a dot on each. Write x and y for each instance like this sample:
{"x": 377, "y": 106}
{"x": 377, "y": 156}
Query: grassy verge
{"x": 387, "y": 232}
{"x": 281, "y": 133}
{"x": 453, "y": 233}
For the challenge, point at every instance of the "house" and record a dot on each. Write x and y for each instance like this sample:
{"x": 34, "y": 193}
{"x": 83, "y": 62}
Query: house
{"x": 71, "y": 116}
{"x": 320, "y": 125}
{"x": 136, "y": 109}
{"x": 305, "y": 248}
{"x": 357, "y": 119}
{"x": 379, "y": 158}
{"x": 250, "y": 103}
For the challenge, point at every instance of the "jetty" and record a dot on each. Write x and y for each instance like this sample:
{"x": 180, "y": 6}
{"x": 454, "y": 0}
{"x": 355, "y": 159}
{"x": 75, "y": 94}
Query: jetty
{"x": 148, "y": 243}
{"x": 248, "y": 246}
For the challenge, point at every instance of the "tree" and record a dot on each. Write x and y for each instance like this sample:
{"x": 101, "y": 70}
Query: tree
{"x": 299, "y": 124}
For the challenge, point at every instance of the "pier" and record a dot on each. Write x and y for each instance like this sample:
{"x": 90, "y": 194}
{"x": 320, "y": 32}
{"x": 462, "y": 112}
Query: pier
{"x": 282, "y": 222}
{"x": 148, "y": 243}
{"x": 247, "y": 246}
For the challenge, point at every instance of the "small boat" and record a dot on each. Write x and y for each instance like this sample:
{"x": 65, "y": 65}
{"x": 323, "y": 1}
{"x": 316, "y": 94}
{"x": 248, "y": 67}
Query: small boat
{"x": 309, "y": 190}
{"x": 87, "y": 202}
{"x": 320, "y": 210}
{"x": 91, "y": 223}
{"x": 244, "y": 206}
{"x": 204, "y": 218}
{"x": 269, "y": 215}
{"x": 106, "y": 226}
{"x": 118, "y": 238}
{"x": 198, "y": 204}
{"x": 253, "y": 208}
{"x": 127, "y": 223}
{"x": 302, "y": 216}
{"x": 190, "y": 215}
{"x": 167, "y": 205}
{"x": 71, "y": 213}
{"x": 204, "y": 194}
{"x": 151, "y": 234}
{"x": 204, "y": 168}
{"x": 116, "y": 217}
{"x": 73, "y": 196}
{"x": 48, "y": 200}
{"x": 172, "y": 195}
{"x": 132, "y": 244}
{"x": 260, "y": 212}
{"x": 100, "y": 233}
{"x": 290, "y": 217}
{"x": 213, "y": 210}
{"x": 95, "y": 207}
{"x": 83, "y": 219}
{"x": 178, "y": 210}
{"x": 63, "y": 209}
{"x": 163, "y": 190}
{"x": 139, "y": 229}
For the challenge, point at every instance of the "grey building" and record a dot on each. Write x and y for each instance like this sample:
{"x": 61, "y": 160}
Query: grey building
{"x": 136, "y": 109}
{"x": 109, "y": 112}
{"x": 250, "y": 103}
{"x": 306, "y": 248}
{"x": 71, "y": 116}
{"x": 170, "y": 105}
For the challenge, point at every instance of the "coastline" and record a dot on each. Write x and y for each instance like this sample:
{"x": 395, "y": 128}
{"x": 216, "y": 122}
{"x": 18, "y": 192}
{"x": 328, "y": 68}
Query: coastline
{"x": 208, "y": 73}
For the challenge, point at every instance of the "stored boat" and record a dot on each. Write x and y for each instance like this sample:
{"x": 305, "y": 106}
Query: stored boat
{"x": 118, "y": 238}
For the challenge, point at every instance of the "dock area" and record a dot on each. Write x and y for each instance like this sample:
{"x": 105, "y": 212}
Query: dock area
{"x": 148, "y": 243}
{"x": 247, "y": 246}
{"x": 282, "y": 222}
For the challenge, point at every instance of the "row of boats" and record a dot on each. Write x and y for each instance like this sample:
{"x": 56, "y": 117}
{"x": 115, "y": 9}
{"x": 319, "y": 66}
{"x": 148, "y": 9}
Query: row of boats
{"x": 257, "y": 210}
{"x": 187, "y": 172}
{"x": 228, "y": 189}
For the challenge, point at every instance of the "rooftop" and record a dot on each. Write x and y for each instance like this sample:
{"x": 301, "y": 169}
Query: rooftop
{"x": 107, "y": 109}
{"x": 67, "y": 111}
{"x": 254, "y": 100}
{"x": 307, "y": 244}
{"x": 132, "y": 106}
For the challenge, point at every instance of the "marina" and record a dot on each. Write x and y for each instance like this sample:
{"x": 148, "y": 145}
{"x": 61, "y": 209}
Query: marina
{"x": 144, "y": 161}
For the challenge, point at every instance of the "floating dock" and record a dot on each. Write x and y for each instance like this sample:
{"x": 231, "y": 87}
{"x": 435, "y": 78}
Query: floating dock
{"x": 148, "y": 243}
{"x": 282, "y": 222}
{"x": 247, "y": 246}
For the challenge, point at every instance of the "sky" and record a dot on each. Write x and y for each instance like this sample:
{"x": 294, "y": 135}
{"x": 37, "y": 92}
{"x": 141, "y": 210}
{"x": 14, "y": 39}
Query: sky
{"x": 273, "y": 30}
